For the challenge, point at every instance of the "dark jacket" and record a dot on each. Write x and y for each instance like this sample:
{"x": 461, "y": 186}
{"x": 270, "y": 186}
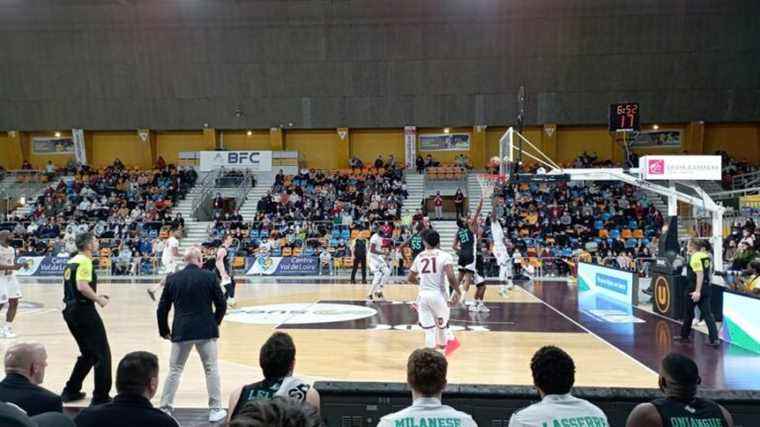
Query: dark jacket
{"x": 192, "y": 291}
{"x": 31, "y": 398}
{"x": 126, "y": 410}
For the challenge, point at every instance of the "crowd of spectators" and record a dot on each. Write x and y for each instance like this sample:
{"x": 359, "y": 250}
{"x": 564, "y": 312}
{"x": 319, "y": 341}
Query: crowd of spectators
{"x": 733, "y": 167}
{"x": 741, "y": 251}
{"x": 126, "y": 209}
{"x": 280, "y": 399}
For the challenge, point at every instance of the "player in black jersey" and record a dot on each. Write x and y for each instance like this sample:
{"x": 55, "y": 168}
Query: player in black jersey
{"x": 224, "y": 269}
{"x": 679, "y": 380}
{"x": 465, "y": 244}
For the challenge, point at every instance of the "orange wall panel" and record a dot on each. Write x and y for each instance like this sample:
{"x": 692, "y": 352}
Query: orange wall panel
{"x": 240, "y": 141}
{"x": 741, "y": 141}
{"x": 366, "y": 144}
{"x": 573, "y": 141}
{"x": 317, "y": 149}
{"x": 170, "y": 144}
{"x": 126, "y": 146}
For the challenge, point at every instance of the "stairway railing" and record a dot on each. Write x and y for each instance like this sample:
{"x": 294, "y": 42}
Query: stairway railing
{"x": 206, "y": 186}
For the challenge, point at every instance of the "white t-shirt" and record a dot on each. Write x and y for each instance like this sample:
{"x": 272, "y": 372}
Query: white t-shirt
{"x": 429, "y": 266}
{"x": 167, "y": 257}
{"x": 378, "y": 242}
{"x": 559, "y": 409}
{"x": 432, "y": 411}
{"x": 7, "y": 257}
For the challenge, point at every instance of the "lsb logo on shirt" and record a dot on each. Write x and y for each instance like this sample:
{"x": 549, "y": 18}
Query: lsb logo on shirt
{"x": 656, "y": 166}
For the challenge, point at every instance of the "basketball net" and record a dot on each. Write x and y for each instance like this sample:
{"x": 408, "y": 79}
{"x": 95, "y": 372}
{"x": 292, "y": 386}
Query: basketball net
{"x": 488, "y": 182}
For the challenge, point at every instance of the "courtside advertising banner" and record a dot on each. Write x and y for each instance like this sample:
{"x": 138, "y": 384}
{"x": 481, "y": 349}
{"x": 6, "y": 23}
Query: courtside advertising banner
{"x": 42, "y": 266}
{"x": 702, "y": 168}
{"x": 255, "y": 161}
{"x": 618, "y": 285}
{"x": 284, "y": 266}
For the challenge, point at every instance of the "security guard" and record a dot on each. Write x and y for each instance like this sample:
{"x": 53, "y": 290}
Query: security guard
{"x": 698, "y": 294}
{"x": 80, "y": 296}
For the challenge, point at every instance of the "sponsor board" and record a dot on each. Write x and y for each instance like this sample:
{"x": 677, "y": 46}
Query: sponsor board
{"x": 42, "y": 265}
{"x": 705, "y": 168}
{"x": 284, "y": 266}
{"x": 445, "y": 142}
{"x": 618, "y": 285}
{"x": 256, "y": 161}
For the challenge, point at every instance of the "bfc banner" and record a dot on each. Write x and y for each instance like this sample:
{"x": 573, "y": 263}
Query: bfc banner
{"x": 284, "y": 266}
{"x": 255, "y": 161}
{"x": 410, "y": 146}
{"x": 79, "y": 152}
{"x": 42, "y": 265}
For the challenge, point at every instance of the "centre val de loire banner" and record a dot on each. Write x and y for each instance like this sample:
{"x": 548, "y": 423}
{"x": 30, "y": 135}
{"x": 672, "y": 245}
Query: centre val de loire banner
{"x": 284, "y": 266}
{"x": 42, "y": 265}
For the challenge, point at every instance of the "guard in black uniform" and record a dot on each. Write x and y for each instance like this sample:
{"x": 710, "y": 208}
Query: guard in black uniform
{"x": 80, "y": 286}
{"x": 360, "y": 257}
{"x": 679, "y": 380}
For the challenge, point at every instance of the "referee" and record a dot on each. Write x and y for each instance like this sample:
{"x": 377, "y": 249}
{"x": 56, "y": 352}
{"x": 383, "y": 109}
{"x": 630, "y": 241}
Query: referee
{"x": 80, "y": 286}
{"x": 698, "y": 295}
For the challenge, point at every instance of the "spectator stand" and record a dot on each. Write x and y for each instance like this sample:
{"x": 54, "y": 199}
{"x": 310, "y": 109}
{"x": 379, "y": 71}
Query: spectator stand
{"x": 554, "y": 172}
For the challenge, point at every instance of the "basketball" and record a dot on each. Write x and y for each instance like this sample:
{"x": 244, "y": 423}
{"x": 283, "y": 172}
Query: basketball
{"x": 495, "y": 161}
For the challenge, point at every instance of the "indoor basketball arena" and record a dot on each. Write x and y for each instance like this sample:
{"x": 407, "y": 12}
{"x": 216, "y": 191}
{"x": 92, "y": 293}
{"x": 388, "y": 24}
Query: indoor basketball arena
{"x": 395, "y": 213}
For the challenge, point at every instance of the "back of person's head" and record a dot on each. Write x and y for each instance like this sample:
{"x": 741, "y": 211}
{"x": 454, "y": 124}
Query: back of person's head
{"x": 27, "y": 359}
{"x": 137, "y": 373}
{"x": 426, "y": 371}
{"x": 679, "y": 375}
{"x": 553, "y": 370}
{"x": 277, "y": 356}
{"x": 83, "y": 241}
{"x": 278, "y": 412}
{"x": 431, "y": 238}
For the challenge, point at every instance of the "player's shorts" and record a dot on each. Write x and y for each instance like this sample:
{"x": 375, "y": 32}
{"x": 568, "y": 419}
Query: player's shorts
{"x": 466, "y": 263}
{"x": 501, "y": 255}
{"x": 479, "y": 277}
{"x": 9, "y": 289}
{"x": 432, "y": 306}
{"x": 171, "y": 267}
{"x": 379, "y": 267}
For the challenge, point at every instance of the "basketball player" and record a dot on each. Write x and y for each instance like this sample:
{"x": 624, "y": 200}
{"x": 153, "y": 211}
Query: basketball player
{"x": 170, "y": 259}
{"x": 224, "y": 271}
{"x": 500, "y": 252}
{"x": 434, "y": 267}
{"x": 378, "y": 265}
{"x": 10, "y": 291}
{"x": 466, "y": 244}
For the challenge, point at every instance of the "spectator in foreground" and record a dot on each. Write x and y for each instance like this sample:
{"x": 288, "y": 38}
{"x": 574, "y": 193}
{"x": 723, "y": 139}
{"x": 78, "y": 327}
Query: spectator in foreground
{"x": 25, "y": 365}
{"x": 277, "y": 359}
{"x": 136, "y": 384}
{"x": 278, "y": 412}
{"x": 426, "y": 375}
{"x": 679, "y": 381}
{"x": 13, "y": 416}
{"x": 553, "y": 376}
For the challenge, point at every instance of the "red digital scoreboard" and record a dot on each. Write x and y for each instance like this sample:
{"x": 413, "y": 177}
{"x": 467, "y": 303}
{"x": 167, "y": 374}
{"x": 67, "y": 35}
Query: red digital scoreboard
{"x": 624, "y": 116}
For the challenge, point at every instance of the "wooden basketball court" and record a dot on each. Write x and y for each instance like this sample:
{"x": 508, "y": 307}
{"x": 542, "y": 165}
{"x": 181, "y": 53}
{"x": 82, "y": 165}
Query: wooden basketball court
{"x": 338, "y": 336}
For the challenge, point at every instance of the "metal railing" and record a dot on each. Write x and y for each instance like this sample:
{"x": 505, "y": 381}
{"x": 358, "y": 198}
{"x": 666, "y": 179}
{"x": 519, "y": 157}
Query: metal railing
{"x": 745, "y": 180}
{"x": 243, "y": 188}
{"x": 723, "y": 195}
{"x": 206, "y": 185}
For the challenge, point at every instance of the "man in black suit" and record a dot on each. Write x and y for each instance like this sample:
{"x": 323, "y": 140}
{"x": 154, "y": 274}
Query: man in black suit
{"x": 136, "y": 383}
{"x": 25, "y": 365}
{"x": 193, "y": 292}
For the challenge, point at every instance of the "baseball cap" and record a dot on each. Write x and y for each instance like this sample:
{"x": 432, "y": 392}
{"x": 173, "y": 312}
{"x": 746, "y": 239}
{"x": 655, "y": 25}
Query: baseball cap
{"x": 13, "y": 416}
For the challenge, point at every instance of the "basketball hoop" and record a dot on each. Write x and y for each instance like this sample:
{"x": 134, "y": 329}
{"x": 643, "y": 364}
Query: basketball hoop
{"x": 488, "y": 182}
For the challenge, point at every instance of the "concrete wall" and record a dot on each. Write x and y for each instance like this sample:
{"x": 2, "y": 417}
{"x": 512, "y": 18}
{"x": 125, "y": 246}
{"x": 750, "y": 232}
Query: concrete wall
{"x": 177, "y": 64}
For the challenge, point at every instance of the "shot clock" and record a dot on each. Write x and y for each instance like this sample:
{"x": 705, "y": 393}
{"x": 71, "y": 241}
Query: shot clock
{"x": 624, "y": 117}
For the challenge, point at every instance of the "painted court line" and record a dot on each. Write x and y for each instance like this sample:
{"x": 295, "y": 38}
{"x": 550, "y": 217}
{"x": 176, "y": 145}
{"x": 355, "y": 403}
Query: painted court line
{"x": 590, "y": 332}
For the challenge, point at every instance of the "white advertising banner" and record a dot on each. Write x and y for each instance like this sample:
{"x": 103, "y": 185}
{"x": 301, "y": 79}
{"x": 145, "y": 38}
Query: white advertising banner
{"x": 79, "y": 151}
{"x": 702, "y": 168}
{"x": 255, "y": 161}
{"x": 410, "y": 146}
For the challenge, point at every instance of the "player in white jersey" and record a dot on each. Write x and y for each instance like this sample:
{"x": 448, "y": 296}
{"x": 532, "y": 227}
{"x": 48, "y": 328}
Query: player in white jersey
{"x": 426, "y": 375}
{"x": 501, "y": 253}
{"x": 378, "y": 265}
{"x": 433, "y": 267}
{"x": 553, "y": 376}
{"x": 10, "y": 291}
{"x": 170, "y": 260}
